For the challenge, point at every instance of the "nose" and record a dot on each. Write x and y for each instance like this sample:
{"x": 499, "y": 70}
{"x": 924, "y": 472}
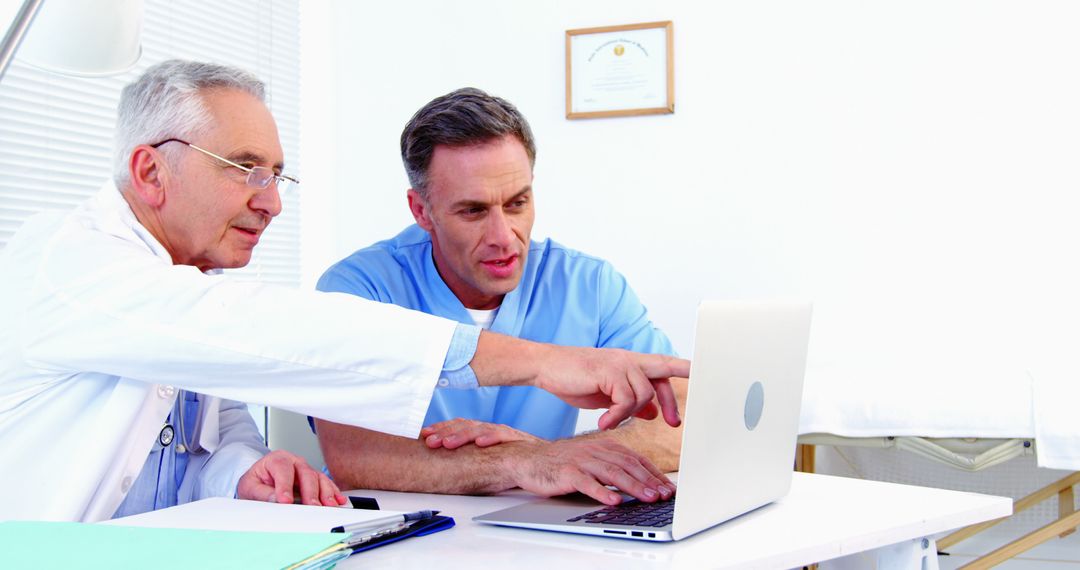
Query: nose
{"x": 498, "y": 231}
{"x": 267, "y": 201}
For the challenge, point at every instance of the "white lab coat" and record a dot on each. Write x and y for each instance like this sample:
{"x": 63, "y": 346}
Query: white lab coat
{"x": 98, "y": 329}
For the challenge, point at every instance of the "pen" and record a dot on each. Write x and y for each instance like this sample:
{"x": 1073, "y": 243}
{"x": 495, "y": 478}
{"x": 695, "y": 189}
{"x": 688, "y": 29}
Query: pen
{"x": 385, "y": 521}
{"x": 371, "y": 534}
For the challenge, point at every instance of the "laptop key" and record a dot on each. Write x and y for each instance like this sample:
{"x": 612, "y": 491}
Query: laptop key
{"x": 631, "y": 513}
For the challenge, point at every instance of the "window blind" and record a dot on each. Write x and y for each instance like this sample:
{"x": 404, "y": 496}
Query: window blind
{"x": 56, "y": 132}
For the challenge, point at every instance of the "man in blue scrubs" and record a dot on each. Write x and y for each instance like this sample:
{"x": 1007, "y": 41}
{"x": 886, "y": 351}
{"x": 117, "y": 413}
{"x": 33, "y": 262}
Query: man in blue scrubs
{"x": 469, "y": 157}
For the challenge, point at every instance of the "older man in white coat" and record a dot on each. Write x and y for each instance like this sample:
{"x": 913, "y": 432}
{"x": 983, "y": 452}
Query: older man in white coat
{"x": 124, "y": 352}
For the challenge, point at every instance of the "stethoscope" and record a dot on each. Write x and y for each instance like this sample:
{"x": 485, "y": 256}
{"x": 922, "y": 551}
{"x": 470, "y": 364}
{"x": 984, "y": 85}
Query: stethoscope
{"x": 168, "y": 433}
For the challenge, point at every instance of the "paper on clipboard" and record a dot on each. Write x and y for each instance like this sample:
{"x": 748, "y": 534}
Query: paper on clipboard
{"x": 233, "y": 514}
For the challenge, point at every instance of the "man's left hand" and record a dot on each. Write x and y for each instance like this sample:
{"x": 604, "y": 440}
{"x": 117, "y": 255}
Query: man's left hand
{"x": 279, "y": 474}
{"x": 457, "y": 432}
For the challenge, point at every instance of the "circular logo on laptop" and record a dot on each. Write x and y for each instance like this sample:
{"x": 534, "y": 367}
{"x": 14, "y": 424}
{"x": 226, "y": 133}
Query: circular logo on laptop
{"x": 755, "y": 402}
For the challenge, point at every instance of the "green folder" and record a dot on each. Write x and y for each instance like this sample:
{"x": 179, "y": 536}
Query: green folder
{"x": 25, "y": 544}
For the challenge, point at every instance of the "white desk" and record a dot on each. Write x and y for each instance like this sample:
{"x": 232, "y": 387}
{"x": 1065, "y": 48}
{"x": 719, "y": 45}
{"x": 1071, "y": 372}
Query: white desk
{"x": 822, "y": 518}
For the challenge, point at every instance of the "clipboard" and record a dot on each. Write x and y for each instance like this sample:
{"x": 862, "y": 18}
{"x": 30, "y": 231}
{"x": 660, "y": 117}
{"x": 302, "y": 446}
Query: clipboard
{"x": 219, "y": 513}
{"x": 423, "y": 527}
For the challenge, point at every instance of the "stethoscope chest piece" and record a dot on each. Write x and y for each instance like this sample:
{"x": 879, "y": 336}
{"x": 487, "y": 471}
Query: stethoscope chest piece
{"x": 167, "y": 435}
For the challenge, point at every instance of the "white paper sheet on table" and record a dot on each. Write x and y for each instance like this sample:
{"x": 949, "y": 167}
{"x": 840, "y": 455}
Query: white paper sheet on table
{"x": 234, "y": 514}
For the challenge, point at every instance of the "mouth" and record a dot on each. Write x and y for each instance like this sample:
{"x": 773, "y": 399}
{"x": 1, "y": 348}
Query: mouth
{"x": 250, "y": 234}
{"x": 502, "y": 267}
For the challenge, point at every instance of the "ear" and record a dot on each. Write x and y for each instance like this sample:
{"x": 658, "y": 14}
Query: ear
{"x": 421, "y": 210}
{"x": 147, "y": 175}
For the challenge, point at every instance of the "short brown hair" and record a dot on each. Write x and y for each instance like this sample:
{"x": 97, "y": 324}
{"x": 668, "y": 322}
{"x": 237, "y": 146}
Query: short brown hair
{"x": 464, "y": 117}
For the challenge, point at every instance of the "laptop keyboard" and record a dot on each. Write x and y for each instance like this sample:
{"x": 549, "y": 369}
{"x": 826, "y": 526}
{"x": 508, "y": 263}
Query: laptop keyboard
{"x": 632, "y": 513}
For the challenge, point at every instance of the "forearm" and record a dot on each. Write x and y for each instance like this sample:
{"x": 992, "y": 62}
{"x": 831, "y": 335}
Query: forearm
{"x": 654, "y": 439}
{"x": 502, "y": 360}
{"x": 239, "y": 445}
{"x": 364, "y": 459}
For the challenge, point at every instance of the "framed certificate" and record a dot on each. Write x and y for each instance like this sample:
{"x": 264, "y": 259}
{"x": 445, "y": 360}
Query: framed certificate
{"x": 618, "y": 71}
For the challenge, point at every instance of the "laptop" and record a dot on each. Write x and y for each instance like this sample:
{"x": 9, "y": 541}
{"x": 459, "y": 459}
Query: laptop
{"x": 741, "y": 424}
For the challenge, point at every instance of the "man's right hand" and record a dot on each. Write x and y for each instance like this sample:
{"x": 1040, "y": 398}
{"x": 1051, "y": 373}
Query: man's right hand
{"x": 624, "y": 382}
{"x": 587, "y": 466}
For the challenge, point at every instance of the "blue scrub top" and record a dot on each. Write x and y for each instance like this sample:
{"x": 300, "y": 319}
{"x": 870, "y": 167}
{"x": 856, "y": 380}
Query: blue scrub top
{"x": 565, "y": 297}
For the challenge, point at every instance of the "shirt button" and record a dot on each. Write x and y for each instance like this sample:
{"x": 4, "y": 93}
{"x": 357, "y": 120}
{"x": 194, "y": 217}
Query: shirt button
{"x": 125, "y": 485}
{"x": 444, "y": 382}
{"x": 165, "y": 392}
{"x": 180, "y": 448}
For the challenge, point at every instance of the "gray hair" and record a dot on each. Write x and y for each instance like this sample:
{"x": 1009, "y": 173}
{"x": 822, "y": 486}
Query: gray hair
{"x": 166, "y": 102}
{"x": 464, "y": 117}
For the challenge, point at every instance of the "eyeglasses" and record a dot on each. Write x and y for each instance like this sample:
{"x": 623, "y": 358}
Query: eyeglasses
{"x": 258, "y": 177}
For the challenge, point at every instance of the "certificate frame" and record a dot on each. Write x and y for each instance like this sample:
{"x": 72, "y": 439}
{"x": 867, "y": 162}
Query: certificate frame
{"x": 636, "y": 77}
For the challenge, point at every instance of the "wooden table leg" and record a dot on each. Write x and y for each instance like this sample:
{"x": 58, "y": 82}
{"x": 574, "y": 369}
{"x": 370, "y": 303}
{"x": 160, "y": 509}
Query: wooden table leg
{"x": 1066, "y": 507}
{"x": 804, "y": 458}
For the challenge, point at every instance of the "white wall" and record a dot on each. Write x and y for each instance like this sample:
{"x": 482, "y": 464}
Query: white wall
{"x": 909, "y": 166}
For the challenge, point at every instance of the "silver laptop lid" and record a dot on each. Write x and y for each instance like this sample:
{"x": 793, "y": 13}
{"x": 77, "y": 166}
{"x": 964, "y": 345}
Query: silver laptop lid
{"x": 742, "y": 411}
